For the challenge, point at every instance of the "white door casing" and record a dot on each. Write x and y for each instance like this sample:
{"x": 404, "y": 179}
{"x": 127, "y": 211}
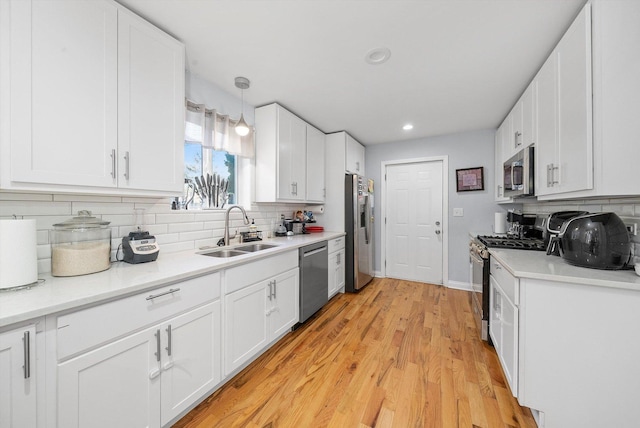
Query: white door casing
{"x": 414, "y": 225}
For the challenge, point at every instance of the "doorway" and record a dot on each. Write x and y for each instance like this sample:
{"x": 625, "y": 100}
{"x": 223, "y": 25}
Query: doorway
{"x": 414, "y": 207}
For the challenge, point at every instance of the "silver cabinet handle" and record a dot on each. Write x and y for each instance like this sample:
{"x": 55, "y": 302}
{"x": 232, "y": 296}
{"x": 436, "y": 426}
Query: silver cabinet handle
{"x": 26, "y": 344}
{"x": 113, "y": 163}
{"x": 275, "y": 288}
{"x": 358, "y": 166}
{"x": 554, "y": 168}
{"x": 157, "y": 353}
{"x": 168, "y": 348}
{"x": 516, "y": 137}
{"x": 270, "y": 290}
{"x": 549, "y": 175}
{"x": 171, "y": 290}
{"x": 437, "y": 232}
{"x": 499, "y": 191}
{"x": 338, "y": 258}
{"x": 126, "y": 165}
{"x": 498, "y": 266}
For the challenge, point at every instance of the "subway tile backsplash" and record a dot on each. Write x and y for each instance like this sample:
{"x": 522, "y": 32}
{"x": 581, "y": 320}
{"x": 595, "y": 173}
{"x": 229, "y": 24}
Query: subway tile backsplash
{"x": 174, "y": 230}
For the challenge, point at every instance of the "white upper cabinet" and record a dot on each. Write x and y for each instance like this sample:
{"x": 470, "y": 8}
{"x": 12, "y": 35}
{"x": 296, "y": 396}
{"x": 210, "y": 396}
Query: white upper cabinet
{"x": 64, "y": 105}
{"x": 95, "y": 94}
{"x": 315, "y": 164}
{"x": 565, "y": 146}
{"x": 290, "y": 156}
{"x": 616, "y": 98}
{"x": 355, "y": 156}
{"x": 150, "y": 106}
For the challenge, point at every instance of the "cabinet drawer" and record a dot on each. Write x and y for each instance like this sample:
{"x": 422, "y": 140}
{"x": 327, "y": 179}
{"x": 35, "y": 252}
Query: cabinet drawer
{"x": 336, "y": 244}
{"x": 250, "y": 273}
{"x": 508, "y": 282}
{"x": 93, "y": 326}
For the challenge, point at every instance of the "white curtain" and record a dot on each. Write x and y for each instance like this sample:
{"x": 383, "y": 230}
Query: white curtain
{"x": 216, "y": 131}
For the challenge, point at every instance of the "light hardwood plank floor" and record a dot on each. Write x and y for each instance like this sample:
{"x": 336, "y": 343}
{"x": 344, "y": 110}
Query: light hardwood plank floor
{"x": 397, "y": 354}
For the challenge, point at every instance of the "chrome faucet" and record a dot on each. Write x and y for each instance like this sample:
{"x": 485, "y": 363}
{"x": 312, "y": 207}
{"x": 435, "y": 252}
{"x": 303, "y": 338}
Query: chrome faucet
{"x": 226, "y": 222}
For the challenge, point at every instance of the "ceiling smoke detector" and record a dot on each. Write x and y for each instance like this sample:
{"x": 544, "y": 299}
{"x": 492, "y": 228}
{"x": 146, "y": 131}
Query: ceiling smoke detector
{"x": 377, "y": 56}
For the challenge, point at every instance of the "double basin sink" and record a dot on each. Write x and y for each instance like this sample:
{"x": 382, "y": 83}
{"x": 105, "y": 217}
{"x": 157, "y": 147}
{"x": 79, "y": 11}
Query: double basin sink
{"x": 238, "y": 251}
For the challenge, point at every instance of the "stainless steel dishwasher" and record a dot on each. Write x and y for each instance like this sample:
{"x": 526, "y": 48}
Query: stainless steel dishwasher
{"x": 314, "y": 277}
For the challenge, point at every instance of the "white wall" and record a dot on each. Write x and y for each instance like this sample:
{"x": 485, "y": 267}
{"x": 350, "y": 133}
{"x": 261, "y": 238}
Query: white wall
{"x": 464, "y": 150}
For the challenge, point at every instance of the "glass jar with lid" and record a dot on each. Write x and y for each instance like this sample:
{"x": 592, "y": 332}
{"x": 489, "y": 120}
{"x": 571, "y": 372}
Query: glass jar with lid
{"x": 80, "y": 245}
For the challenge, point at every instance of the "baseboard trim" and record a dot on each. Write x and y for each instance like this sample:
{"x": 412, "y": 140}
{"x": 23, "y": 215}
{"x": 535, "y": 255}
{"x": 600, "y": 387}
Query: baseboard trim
{"x": 459, "y": 285}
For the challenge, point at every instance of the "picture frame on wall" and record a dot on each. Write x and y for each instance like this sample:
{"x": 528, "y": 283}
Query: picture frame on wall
{"x": 470, "y": 179}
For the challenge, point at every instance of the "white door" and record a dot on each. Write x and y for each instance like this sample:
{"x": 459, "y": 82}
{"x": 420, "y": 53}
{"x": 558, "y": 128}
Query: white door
{"x": 246, "y": 324}
{"x": 18, "y": 378}
{"x": 191, "y": 358}
{"x": 64, "y": 92}
{"x": 414, "y": 241}
{"x": 283, "y": 307}
{"x": 117, "y": 385}
{"x": 150, "y": 107}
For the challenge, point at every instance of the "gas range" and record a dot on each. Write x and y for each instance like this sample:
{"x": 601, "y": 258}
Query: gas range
{"x": 510, "y": 242}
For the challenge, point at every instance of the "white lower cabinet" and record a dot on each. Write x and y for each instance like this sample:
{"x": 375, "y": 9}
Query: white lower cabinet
{"x": 336, "y": 266}
{"x": 503, "y": 321}
{"x": 18, "y": 378}
{"x": 145, "y": 379}
{"x": 503, "y": 328}
{"x": 258, "y": 314}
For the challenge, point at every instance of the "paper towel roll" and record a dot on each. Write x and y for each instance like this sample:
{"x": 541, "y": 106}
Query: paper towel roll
{"x": 500, "y": 223}
{"x": 18, "y": 255}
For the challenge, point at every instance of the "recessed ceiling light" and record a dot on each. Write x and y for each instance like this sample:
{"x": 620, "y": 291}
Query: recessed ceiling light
{"x": 377, "y": 56}
{"x": 408, "y": 127}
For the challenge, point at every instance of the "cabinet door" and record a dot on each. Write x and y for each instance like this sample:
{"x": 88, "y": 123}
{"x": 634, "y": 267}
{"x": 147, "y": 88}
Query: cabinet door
{"x": 63, "y": 74}
{"x": 333, "y": 269}
{"x": 340, "y": 271}
{"x": 246, "y": 324}
{"x": 515, "y": 138}
{"x": 116, "y": 385}
{"x": 503, "y": 329}
{"x": 547, "y": 126}
{"x": 150, "y": 106}
{"x": 284, "y": 303}
{"x": 575, "y": 141}
{"x": 191, "y": 349}
{"x": 336, "y": 272}
{"x": 355, "y": 156}
{"x": 499, "y": 162}
{"x": 18, "y": 374}
{"x": 315, "y": 165}
{"x": 292, "y": 135}
{"x": 528, "y": 101}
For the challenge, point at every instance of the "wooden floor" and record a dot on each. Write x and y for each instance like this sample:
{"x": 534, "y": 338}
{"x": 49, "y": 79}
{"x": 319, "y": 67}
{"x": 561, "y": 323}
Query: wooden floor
{"x": 397, "y": 354}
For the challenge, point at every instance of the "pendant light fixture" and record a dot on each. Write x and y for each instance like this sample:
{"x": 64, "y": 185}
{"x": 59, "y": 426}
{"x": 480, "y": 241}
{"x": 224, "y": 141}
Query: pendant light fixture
{"x": 242, "y": 128}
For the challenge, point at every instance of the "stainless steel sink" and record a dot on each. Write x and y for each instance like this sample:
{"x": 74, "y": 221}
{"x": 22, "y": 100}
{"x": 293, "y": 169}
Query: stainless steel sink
{"x": 225, "y": 253}
{"x": 255, "y": 247}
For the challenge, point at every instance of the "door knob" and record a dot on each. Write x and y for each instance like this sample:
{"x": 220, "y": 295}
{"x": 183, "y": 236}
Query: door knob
{"x": 437, "y": 232}
{"x": 437, "y": 223}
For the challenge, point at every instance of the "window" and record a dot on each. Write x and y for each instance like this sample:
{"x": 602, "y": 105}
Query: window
{"x": 213, "y": 149}
{"x": 200, "y": 161}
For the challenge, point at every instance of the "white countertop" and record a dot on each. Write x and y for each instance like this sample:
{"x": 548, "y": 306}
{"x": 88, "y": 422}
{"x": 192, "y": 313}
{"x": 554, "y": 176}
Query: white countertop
{"x": 537, "y": 265}
{"x": 60, "y": 294}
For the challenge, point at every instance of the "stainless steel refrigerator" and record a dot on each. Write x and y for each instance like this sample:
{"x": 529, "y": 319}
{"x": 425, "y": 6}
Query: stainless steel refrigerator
{"x": 359, "y": 229}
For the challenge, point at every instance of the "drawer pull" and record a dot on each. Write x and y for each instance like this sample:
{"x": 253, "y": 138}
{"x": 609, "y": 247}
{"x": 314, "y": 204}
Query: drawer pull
{"x": 26, "y": 342}
{"x": 171, "y": 290}
{"x": 154, "y": 374}
{"x": 168, "y": 348}
{"x": 157, "y": 335}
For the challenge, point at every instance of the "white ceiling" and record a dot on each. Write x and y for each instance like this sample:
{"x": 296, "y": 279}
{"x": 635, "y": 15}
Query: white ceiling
{"x": 456, "y": 65}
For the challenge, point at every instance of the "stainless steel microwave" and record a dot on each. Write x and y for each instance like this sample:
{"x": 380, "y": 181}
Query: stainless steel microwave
{"x": 519, "y": 174}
